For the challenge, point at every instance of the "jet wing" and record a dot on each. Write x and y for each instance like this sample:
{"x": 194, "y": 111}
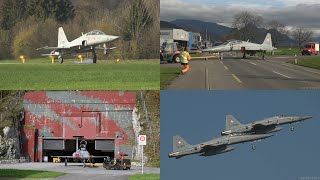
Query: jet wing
{"x": 210, "y": 150}
{"x": 102, "y": 48}
{"x": 93, "y": 157}
{"x": 261, "y": 126}
{"x": 212, "y": 147}
{"x": 51, "y": 48}
{"x": 63, "y": 156}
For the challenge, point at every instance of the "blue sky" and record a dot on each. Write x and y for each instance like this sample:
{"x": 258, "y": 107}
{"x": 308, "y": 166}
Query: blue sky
{"x": 200, "y": 115}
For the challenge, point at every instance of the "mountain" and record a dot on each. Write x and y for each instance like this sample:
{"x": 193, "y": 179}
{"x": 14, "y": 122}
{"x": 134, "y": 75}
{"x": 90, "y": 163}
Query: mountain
{"x": 201, "y": 25}
{"x": 317, "y": 39}
{"x": 214, "y": 31}
{"x": 165, "y": 24}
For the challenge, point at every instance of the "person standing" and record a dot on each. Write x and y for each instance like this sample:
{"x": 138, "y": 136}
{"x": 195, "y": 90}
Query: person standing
{"x": 184, "y": 60}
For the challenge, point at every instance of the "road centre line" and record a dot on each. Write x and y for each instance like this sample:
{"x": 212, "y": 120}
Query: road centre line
{"x": 281, "y": 74}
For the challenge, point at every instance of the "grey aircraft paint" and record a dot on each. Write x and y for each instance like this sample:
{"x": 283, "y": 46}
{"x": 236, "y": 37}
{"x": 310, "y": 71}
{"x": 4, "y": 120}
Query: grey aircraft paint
{"x": 212, "y": 147}
{"x": 268, "y": 125}
{"x": 244, "y": 46}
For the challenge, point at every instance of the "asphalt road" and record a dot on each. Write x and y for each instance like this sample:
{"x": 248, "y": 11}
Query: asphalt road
{"x": 253, "y": 73}
{"x": 75, "y": 171}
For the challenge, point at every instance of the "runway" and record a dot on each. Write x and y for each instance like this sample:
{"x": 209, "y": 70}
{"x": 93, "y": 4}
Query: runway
{"x": 273, "y": 74}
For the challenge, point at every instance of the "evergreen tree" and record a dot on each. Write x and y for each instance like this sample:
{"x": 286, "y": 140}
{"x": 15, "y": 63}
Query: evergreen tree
{"x": 60, "y": 10}
{"x": 12, "y": 11}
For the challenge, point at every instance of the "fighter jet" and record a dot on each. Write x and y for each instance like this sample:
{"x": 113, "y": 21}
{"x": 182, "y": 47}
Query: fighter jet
{"x": 245, "y": 47}
{"x": 269, "y": 125}
{"x": 214, "y": 146}
{"x": 88, "y": 42}
{"x": 81, "y": 154}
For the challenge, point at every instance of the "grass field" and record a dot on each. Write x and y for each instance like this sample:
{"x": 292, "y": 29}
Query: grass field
{"x": 145, "y": 177}
{"x": 15, "y": 173}
{"x": 287, "y": 51}
{"x": 40, "y": 74}
{"x": 312, "y": 62}
{"x": 167, "y": 75}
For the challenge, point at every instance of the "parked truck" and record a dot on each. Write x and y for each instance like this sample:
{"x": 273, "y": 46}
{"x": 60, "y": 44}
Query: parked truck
{"x": 311, "y": 48}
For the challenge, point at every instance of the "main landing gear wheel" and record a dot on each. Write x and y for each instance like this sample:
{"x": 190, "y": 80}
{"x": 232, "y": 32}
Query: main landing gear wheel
{"x": 244, "y": 56}
{"x": 61, "y": 60}
{"x": 94, "y": 57}
{"x": 263, "y": 55}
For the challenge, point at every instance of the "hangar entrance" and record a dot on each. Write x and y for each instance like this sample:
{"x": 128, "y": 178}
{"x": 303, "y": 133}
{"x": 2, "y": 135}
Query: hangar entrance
{"x": 66, "y": 147}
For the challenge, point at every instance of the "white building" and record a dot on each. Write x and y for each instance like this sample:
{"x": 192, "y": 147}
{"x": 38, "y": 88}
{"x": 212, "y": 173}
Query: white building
{"x": 177, "y": 35}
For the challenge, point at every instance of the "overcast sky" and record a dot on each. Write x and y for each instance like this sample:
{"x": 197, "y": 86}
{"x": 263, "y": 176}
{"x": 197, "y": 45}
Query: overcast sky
{"x": 200, "y": 115}
{"x": 290, "y": 12}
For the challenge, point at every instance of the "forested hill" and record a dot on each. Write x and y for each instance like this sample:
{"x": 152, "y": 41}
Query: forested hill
{"x": 26, "y": 25}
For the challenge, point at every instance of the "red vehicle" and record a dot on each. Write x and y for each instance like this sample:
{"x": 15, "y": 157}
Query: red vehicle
{"x": 169, "y": 52}
{"x": 311, "y": 48}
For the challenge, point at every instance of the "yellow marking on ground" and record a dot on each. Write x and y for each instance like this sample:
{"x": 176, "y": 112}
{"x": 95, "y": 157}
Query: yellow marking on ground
{"x": 203, "y": 57}
{"x": 93, "y": 165}
{"x": 226, "y": 67}
{"x": 236, "y": 78}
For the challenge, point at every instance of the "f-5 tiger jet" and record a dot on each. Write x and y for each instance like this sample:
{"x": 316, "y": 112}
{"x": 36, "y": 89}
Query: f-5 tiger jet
{"x": 89, "y": 42}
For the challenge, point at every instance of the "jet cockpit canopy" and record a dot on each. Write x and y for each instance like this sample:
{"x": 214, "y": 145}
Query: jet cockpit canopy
{"x": 95, "y": 32}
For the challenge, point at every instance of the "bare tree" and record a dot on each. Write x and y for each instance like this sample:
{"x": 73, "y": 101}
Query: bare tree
{"x": 137, "y": 19}
{"x": 278, "y": 31}
{"x": 302, "y": 35}
{"x": 246, "y": 24}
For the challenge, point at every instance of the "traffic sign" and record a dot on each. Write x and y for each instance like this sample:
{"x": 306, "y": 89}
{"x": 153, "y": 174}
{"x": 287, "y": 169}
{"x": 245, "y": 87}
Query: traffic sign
{"x": 142, "y": 140}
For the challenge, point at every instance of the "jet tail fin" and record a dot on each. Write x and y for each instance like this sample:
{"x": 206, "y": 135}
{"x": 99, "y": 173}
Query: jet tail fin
{"x": 62, "y": 38}
{"x": 231, "y": 122}
{"x": 179, "y": 143}
{"x": 267, "y": 40}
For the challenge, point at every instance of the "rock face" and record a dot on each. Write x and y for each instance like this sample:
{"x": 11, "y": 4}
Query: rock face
{"x": 137, "y": 128}
{"x": 8, "y": 145}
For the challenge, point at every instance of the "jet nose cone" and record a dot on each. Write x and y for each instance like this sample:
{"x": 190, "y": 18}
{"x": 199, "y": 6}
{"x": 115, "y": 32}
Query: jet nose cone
{"x": 305, "y": 118}
{"x": 115, "y": 37}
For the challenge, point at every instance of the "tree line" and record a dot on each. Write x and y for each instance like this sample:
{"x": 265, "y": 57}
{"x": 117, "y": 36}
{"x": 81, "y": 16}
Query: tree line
{"x": 246, "y": 26}
{"x": 27, "y": 25}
